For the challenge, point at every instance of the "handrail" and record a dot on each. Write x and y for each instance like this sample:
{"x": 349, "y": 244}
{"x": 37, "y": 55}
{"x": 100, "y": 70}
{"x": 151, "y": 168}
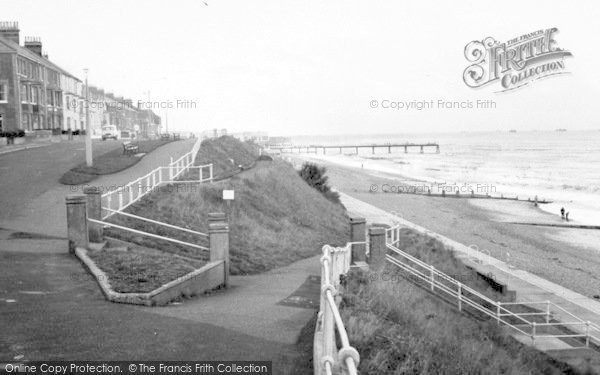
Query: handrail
{"x": 156, "y": 222}
{"x": 147, "y": 234}
{"x": 136, "y": 190}
{"x": 501, "y": 311}
{"x": 329, "y": 315}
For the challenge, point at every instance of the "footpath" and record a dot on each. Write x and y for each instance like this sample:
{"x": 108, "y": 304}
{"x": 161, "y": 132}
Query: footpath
{"x": 51, "y": 308}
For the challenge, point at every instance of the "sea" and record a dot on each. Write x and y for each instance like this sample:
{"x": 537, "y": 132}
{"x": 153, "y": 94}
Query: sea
{"x": 558, "y": 166}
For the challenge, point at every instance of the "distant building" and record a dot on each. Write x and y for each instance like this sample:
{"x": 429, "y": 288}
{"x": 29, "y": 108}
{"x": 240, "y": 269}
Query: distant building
{"x": 261, "y": 138}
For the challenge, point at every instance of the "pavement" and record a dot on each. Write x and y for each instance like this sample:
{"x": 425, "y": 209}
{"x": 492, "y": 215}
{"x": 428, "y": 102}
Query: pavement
{"x": 51, "y": 308}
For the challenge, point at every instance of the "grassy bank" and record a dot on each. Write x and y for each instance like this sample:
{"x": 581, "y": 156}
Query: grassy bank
{"x": 276, "y": 218}
{"x": 140, "y": 269}
{"x": 226, "y": 155}
{"x": 111, "y": 162}
{"x": 400, "y": 328}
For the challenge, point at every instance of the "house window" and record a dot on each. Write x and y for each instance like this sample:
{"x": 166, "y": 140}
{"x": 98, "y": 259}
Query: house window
{"x": 23, "y": 93}
{"x": 34, "y": 95}
{"x": 25, "y": 122}
{"x": 36, "y": 123}
{"x": 3, "y": 92}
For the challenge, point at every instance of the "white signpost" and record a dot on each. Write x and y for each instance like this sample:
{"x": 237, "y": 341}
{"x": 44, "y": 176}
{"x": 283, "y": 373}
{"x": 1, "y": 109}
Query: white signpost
{"x": 228, "y": 195}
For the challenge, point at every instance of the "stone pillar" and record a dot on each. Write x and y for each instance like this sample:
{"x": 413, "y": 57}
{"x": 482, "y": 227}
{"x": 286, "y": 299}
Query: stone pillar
{"x": 358, "y": 234}
{"x": 216, "y": 217}
{"x": 94, "y": 211}
{"x": 377, "y": 247}
{"x": 77, "y": 230}
{"x": 218, "y": 235}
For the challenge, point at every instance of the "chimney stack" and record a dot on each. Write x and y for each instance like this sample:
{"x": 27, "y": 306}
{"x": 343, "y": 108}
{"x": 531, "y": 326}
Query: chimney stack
{"x": 34, "y": 44}
{"x": 10, "y": 31}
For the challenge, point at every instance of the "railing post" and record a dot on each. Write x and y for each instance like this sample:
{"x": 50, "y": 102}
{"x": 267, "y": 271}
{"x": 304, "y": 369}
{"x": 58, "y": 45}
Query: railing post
{"x": 211, "y": 172}
{"x": 358, "y": 234}
{"x": 547, "y": 312}
{"x": 377, "y": 246}
{"x": 200, "y": 170}
{"x": 498, "y": 312}
{"x": 432, "y": 276}
{"x": 94, "y": 211}
{"x": 77, "y": 230}
{"x": 153, "y": 179}
{"x": 328, "y": 322}
{"x": 218, "y": 236}
{"x": 120, "y": 194}
{"x": 171, "y": 170}
{"x": 587, "y": 334}
{"x": 459, "y": 297}
{"x": 216, "y": 217}
{"x": 130, "y": 188}
{"x": 533, "y": 333}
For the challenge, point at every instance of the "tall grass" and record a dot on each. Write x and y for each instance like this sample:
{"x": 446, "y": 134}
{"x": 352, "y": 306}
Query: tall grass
{"x": 399, "y": 328}
{"x": 275, "y": 219}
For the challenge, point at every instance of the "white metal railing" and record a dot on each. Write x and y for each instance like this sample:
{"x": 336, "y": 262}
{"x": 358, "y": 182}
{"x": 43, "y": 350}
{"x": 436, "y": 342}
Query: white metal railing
{"x": 157, "y": 222}
{"x": 119, "y": 199}
{"x": 152, "y": 235}
{"x": 466, "y": 296}
{"x": 328, "y": 359}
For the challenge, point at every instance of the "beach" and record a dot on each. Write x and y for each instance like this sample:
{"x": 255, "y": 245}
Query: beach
{"x": 568, "y": 257}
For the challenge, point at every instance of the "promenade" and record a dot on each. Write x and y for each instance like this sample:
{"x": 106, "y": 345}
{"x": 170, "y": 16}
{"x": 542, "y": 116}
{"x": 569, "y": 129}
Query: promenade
{"x": 528, "y": 287}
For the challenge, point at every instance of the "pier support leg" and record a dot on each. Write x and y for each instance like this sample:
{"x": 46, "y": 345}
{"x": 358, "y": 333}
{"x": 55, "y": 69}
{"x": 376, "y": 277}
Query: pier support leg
{"x": 421, "y": 149}
{"x": 405, "y": 149}
{"x": 389, "y": 149}
{"x": 437, "y": 149}
{"x": 373, "y": 149}
{"x": 357, "y": 151}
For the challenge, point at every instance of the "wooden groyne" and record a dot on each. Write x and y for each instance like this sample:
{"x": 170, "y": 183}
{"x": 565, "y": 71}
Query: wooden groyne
{"x": 471, "y": 195}
{"x": 390, "y": 147}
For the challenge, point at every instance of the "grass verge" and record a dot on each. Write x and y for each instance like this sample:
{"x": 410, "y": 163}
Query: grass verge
{"x": 399, "y": 328}
{"x": 107, "y": 163}
{"x": 139, "y": 269}
{"x": 226, "y": 155}
{"x": 276, "y": 218}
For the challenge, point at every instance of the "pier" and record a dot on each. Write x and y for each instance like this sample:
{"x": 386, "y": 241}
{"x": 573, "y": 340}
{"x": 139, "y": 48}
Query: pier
{"x": 315, "y": 148}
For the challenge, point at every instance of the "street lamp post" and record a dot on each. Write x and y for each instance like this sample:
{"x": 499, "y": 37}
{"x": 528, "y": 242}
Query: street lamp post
{"x": 88, "y": 129}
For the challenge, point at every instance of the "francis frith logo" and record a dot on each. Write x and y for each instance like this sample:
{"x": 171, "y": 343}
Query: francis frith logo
{"x": 514, "y": 63}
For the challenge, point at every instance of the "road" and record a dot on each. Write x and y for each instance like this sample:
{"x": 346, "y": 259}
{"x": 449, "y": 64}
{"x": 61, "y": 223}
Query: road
{"x": 25, "y": 175}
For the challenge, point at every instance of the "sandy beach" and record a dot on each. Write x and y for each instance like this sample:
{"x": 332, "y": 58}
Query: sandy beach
{"x": 569, "y": 257}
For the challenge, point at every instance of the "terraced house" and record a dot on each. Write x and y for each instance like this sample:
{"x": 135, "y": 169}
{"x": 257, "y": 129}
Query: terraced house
{"x": 31, "y": 97}
{"x": 36, "y": 95}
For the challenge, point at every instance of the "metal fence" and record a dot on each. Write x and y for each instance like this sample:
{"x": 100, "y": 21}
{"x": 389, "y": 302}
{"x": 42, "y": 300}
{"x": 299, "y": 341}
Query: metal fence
{"x": 124, "y": 196}
{"x": 327, "y": 358}
{"x": 524, "y": 322}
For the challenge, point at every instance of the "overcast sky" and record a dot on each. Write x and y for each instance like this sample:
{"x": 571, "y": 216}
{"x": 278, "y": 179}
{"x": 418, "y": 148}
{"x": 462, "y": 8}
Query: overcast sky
{"x": 313, "y": 67}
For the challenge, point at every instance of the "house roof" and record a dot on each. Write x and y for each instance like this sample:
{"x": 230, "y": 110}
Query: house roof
{"x": 34, "y": 56}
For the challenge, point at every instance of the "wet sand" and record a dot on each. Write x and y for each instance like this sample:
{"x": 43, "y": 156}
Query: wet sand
{"x": 568, "y": 257}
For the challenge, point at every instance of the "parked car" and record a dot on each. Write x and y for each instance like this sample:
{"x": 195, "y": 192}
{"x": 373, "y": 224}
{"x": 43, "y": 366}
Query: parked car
{"x": 110, "y": 131}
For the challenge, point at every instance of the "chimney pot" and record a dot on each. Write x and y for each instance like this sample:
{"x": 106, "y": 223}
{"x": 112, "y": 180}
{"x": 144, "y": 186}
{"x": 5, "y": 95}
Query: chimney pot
{"x": 10, "y": 30}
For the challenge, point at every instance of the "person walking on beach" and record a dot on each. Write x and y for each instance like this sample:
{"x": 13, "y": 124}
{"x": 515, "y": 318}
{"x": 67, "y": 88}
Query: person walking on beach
{"x": 562, "y": 212}
{"x": 567, "y": 216}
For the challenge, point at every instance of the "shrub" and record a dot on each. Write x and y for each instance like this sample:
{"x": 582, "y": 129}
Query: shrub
{"x": 75, "y": 132}
{"x": 314, "y": 175}
{"x": 264, "y": 157}
{"x": 20, "y": 133}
